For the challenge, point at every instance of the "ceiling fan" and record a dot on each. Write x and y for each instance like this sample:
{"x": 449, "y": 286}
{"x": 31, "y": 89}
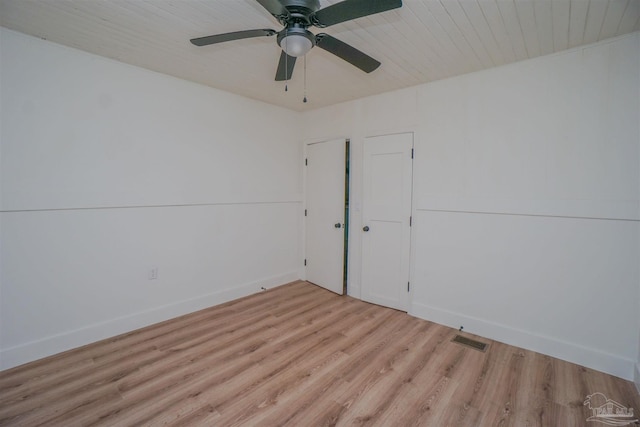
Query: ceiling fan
{"x": 296, "y": 40}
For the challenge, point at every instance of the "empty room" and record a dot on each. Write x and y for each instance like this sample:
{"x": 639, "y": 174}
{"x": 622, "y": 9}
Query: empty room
{"x": 320, "y": 212}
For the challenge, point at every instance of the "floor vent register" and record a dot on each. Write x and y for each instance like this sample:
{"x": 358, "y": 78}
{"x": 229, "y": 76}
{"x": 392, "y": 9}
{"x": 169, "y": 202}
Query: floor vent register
{"x": 470, "y": 343}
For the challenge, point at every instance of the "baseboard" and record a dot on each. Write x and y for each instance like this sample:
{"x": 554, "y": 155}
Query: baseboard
{"x": 273, "y": 282}
{"x": 637, "y": 376}
{"x": 570, "y": 352}
{"x": 34, "y": 350}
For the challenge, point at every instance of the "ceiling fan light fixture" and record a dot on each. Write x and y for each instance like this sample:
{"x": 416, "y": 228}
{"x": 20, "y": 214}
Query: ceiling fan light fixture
{"x": 296, "y": 41}
{"x": 296, "y": 45}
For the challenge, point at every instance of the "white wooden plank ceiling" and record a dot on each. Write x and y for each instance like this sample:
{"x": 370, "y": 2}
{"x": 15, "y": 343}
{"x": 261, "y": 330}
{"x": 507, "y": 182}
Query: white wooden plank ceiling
{"x": 425, "y": 40}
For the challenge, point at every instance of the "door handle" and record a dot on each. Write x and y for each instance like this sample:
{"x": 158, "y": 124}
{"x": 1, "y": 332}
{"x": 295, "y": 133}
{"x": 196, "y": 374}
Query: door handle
{"x": 337, "y": 225}
{"x": 365, "y": 228}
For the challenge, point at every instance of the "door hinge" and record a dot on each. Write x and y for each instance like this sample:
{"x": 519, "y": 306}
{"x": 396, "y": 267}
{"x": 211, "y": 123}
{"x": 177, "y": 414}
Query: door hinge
{"x": 412, "y": 153}
{"x": 305, "y": 262}
{"x": 408, "y": 286}
{"x": 305, "y": 212}
{"x": 410, "y": 220}
{"x": 306, "y": 162}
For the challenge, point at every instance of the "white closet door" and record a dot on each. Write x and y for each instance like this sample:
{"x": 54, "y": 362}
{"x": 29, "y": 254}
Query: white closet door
{"x": 325, "y": 207}
{"x": 386, "y": 240}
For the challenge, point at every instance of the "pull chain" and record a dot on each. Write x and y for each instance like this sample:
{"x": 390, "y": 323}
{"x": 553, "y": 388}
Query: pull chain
{"x": 305, "y": 79}
{"x": 286, "y": 67}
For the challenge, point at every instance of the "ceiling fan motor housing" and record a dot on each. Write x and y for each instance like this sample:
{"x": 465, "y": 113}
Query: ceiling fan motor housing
{"x": 310, "y": 5}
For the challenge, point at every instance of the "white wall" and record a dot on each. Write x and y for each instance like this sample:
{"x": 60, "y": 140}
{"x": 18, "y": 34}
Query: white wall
{"x": 108, "y": 170}
{"x": 637, "y": 370}
{"x": 526, "y": 200}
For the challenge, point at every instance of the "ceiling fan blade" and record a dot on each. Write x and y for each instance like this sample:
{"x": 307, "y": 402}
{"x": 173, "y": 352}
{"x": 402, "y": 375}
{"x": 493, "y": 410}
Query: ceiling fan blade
{"x": 237, "y": 35}
{"x": 346, "y": 52}
{"x": 285, "y": 67}
{"x": 274, "y": 7}
{"x": 352, "y": 9}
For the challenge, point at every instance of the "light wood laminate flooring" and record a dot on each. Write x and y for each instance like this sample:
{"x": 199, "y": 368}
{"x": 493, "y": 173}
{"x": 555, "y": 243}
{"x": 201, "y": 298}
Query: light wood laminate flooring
{"x": 299, "y": 355}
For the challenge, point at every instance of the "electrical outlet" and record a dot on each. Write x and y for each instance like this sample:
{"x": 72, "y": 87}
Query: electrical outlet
{"x": 153, "y": 273}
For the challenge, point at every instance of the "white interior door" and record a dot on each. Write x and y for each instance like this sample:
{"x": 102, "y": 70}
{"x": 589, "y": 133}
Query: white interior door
{"x": 386, "y": 211}
{"x": 325, "y": 207}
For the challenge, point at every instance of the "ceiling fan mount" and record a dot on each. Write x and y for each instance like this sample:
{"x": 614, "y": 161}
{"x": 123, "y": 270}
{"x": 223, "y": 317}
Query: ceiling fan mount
{"x": 295, "y": 39}
{"x": 298, "y": 11}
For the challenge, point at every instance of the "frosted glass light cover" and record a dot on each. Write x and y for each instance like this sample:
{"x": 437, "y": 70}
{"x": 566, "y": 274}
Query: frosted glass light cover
{"x": 296, "y": 45}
